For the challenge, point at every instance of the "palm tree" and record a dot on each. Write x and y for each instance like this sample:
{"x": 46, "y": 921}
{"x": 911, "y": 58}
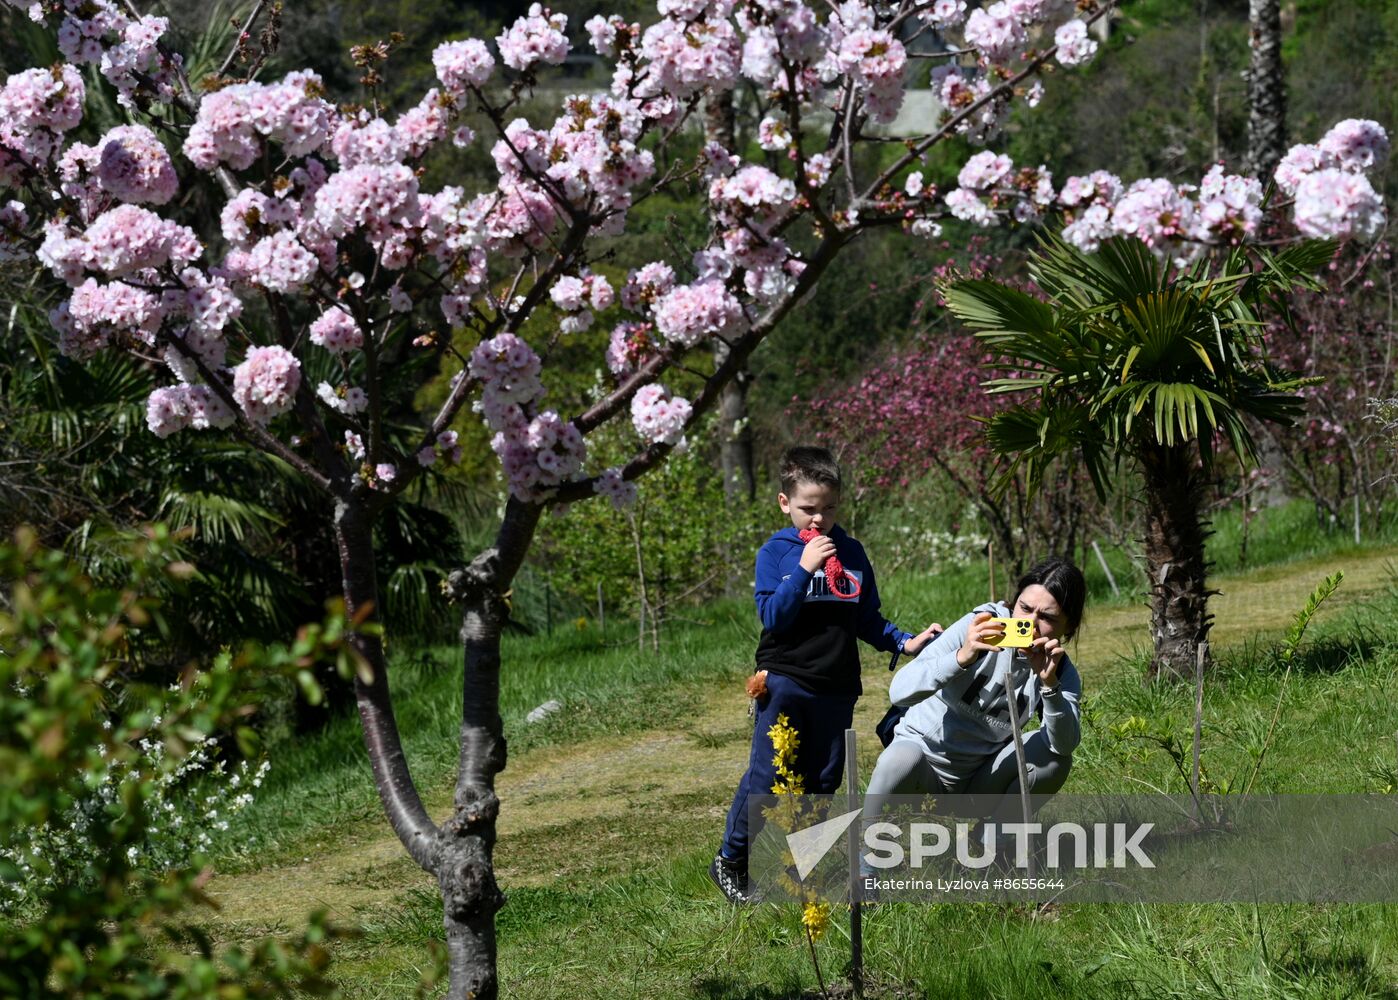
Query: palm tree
{"x": 1129, "y": 362}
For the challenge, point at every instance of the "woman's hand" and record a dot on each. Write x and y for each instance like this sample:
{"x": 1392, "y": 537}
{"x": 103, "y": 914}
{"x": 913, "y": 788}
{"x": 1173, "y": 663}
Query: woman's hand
{"x": 1044, "y": 655}
{"x": 918, "y": 642}
{"x": 982, "y": 628}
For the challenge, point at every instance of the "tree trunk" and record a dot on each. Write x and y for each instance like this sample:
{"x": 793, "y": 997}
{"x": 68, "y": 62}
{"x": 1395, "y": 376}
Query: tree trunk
{"x": 1266, "y": 90}
{"x": 1266, "y": 147}
{"x": 1175, "y": 531}
{"x": 401, "y": 802}
{"x": 466, "y": 873}
{"x": 735, "y": 433}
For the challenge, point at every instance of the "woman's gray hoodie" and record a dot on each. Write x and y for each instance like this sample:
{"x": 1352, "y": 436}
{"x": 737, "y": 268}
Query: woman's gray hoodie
{"x": 962, "y": 714}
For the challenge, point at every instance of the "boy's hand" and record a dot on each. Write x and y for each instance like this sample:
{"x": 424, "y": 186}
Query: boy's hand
{"x": 982, "y": 628}
{"x": 918, "y": 642}
{"x": 818, "y": 550}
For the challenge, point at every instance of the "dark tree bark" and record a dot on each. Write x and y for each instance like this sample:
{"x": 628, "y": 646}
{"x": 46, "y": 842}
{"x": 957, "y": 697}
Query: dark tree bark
{"x": 1266, "y": 90}
{"x": 401, "y": 802}
{"x": 466, "y": 871}
{"x": 735, "y": 431}
{"x": 1174, "y": 548}
{"x": 1266, "y": 147}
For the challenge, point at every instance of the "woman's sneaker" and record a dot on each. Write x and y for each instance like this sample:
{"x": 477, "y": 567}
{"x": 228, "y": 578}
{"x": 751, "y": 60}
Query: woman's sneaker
{"x": 731, "y": 877}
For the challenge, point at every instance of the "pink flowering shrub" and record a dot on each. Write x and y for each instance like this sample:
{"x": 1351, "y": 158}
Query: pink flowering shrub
{"x": 1337, "y": 452}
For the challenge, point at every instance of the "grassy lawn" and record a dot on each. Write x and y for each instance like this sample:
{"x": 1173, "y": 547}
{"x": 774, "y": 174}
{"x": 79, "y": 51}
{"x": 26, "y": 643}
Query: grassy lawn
{"x": 613, "y": 807}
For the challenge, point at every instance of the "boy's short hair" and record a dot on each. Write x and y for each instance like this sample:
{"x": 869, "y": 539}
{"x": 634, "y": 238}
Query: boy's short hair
{"x": 808, "y": 464}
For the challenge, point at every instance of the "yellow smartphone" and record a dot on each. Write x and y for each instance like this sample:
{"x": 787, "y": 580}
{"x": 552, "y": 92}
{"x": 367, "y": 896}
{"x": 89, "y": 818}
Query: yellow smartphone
{"x": 1019, "y": 633}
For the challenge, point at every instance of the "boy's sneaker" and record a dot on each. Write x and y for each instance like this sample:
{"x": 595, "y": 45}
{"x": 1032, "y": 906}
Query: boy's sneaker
{"x": 731, "y": 877}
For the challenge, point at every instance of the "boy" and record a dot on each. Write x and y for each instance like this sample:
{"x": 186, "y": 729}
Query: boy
{"x": 807, "y": 647}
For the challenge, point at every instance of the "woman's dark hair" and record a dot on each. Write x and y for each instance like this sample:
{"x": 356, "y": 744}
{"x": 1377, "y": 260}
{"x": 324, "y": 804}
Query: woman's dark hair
{"x": 1065, "y": 582}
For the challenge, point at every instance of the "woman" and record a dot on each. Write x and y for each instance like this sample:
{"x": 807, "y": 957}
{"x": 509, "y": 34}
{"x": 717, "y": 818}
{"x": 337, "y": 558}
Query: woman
{"x": 956, "y": 738}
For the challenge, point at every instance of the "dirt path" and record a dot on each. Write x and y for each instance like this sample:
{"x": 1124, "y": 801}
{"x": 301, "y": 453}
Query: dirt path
{"x": 588, "y": 795}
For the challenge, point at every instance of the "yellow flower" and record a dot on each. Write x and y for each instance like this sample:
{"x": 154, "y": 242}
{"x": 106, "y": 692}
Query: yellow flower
{"x": 783, "y": 737}
{"x": 815, "y": 917}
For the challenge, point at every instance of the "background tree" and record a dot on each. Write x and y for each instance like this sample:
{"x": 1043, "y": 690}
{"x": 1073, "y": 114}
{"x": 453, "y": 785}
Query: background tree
{"x": 1125, "y": 362}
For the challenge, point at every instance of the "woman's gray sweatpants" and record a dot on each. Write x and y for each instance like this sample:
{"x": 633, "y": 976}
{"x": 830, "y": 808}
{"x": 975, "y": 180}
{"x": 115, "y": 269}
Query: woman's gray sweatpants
{"x": 904, "y": 769}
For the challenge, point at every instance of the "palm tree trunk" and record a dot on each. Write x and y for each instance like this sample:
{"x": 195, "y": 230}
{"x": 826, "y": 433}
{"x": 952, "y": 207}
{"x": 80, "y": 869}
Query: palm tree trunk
{"x": 1174, "y": 548}
{"x": 1266, "y": 89}
{"x": 466, "y": 873}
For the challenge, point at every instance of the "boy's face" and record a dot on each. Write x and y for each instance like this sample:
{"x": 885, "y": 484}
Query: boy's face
{"x": 811, "y": 506}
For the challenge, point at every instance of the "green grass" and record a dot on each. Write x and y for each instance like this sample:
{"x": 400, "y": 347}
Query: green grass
{"x": 628, "y": 911}
{"x": 661, "y": 930}
{"x": 606, "y": 684}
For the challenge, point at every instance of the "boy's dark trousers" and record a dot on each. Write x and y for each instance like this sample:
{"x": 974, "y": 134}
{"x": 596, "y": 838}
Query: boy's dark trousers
{"x": 820, "y": 721}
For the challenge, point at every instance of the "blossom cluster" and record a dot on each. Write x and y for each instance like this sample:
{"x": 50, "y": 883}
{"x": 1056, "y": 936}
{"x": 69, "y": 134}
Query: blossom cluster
{"x": 233, "y": 123}
{"x": 533, "y": 39}
{"x": 37, "y": 107}
{"x": 336, "y": 331}
{"x": 467, "y": 63}
{"x": 445, "y": 447}
{"x": 537, "y": 451}
{"x": 173, "y": 408}
{"x": 577, "y": 296}
{"x": 611, "y": 485}
{"x": 128, "y": 163}
{"x": 120, "y": 242}
{"x": 630, "y": 345}
{"x": 1333, "y": 197}
{"x": 658, "y": 416}
{"x": 265, "y": 384}
{"x": 126, "y": 50}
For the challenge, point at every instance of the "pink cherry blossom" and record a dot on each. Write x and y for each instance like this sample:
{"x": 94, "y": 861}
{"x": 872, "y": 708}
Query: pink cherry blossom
{"x": 233, "y": 122}
{"x": 1074, "y": 45}
{"x": 611, "y": 485}
{"x": 1355, "y": 144}
{"x": 463, "y": 64}
{"x": 631, "y": 344}
{"x": 167, "y": 411}
{"x": 689, "y": 314}
{"x": 1338, "y": 204}
{"x": 535, "y": 38}
{"x": 686, "y": 57}
{"x": 657, "y": 416}
{"x": 133, "y": 165}
{"x": 279, "y": 263}
{"x": 130, "y": 238}
{"x": 996, "y": 32}
{"x": 984, "y": 171}
{"x": 265, "y": 384}
{"x": 95, "y": 311}
{"x": 646, "y": 284}
{"x": 966, "y": 204}
{"x": 336, "y": 331}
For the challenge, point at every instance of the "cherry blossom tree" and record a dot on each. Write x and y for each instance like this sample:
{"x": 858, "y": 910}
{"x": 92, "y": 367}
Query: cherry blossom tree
{"x": 331, "y": 266}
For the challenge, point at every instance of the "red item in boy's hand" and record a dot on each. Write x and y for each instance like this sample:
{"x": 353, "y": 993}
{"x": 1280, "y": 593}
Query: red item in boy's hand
{"x": 835, "y": 575}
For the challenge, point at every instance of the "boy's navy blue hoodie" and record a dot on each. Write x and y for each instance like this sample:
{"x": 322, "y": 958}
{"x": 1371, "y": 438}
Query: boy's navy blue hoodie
{"x": 809, "y": 634}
